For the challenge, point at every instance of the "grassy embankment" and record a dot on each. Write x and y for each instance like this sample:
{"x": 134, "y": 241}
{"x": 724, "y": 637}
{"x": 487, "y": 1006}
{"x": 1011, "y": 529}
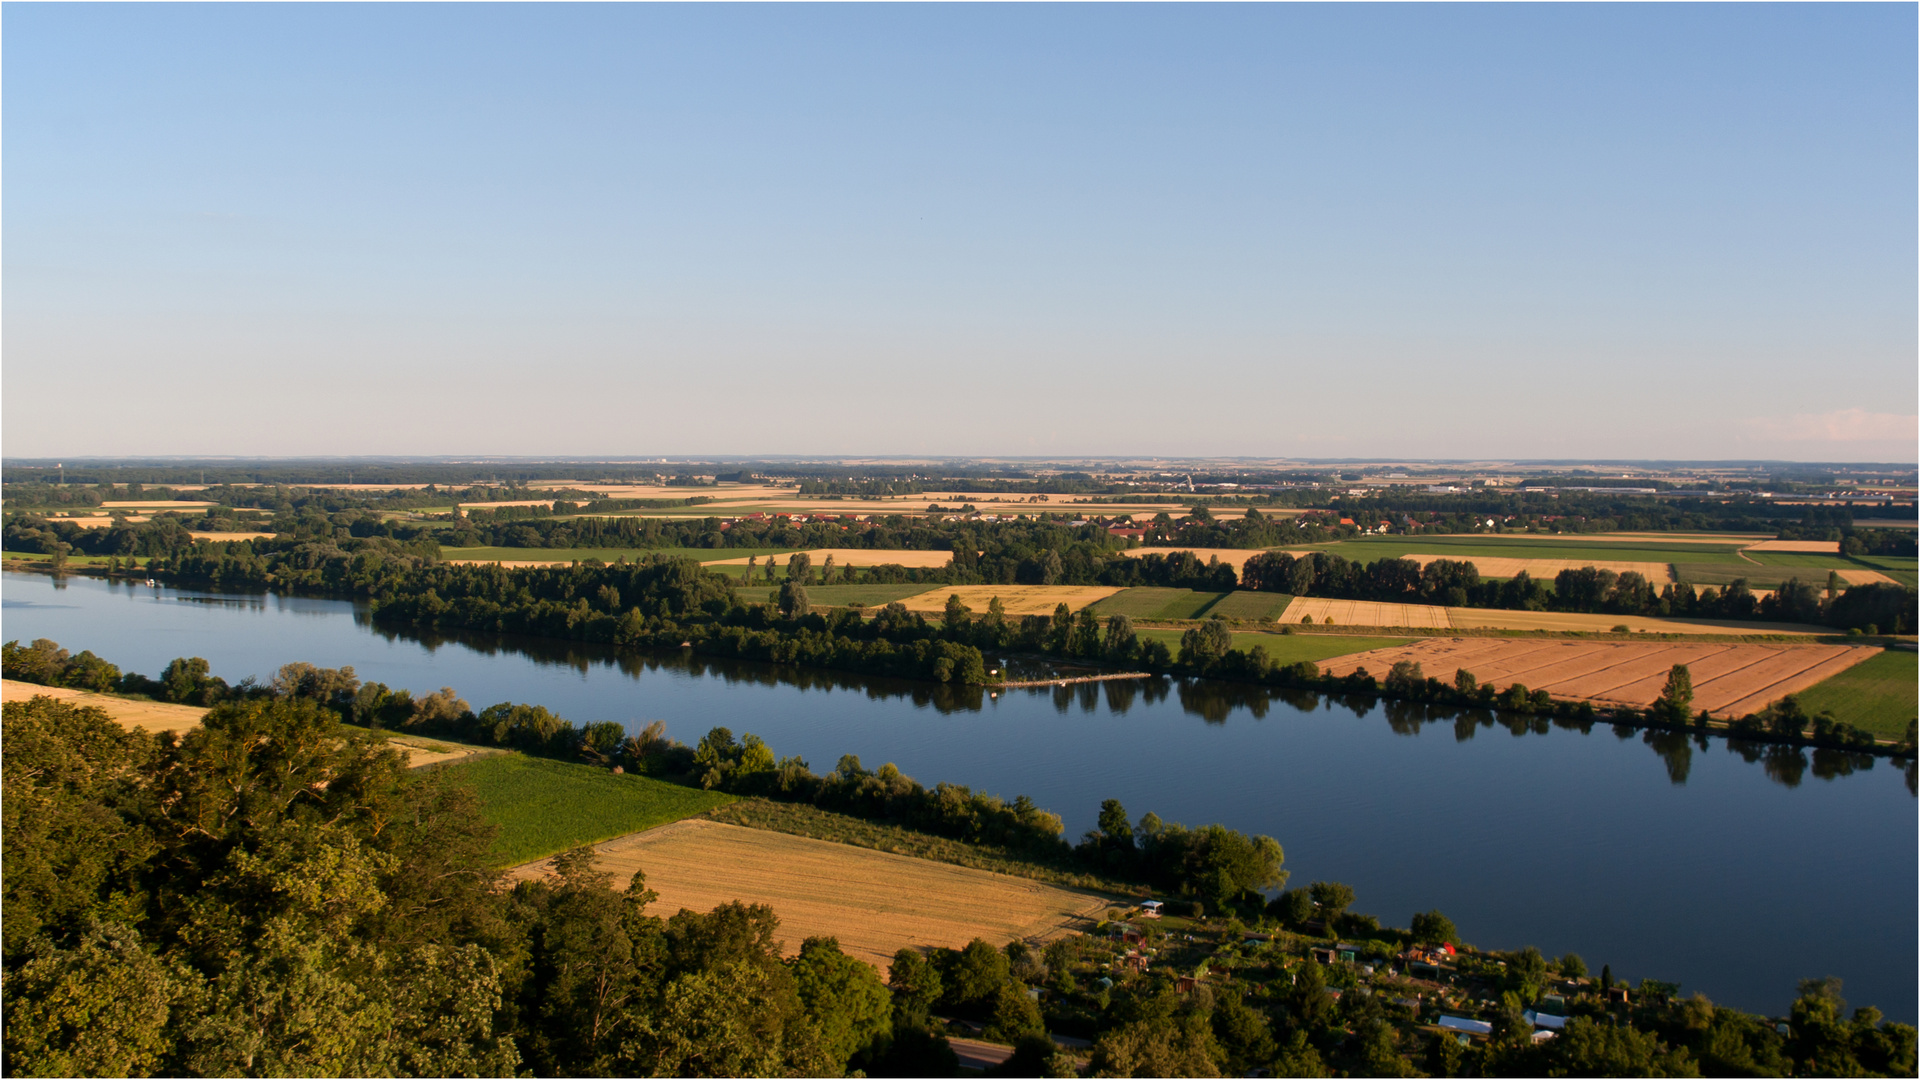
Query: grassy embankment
{"x": 1878, "y": 694}
{"x": 543, "y": 807}
{"x": 799, "y": 819}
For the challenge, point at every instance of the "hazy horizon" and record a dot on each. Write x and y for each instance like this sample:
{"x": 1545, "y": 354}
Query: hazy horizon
{"x": 1364, "y": 232}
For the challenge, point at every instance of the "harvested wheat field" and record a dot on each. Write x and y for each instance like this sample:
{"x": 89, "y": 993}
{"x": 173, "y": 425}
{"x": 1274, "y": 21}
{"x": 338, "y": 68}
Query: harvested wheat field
{"x": 1236, "y": 556}
{"x": 1016, "y": 599}
{"x": 876, "y": 903}
{"x": 1728, "y": 680}
{"x": 146, "y": 715}
{"x": 1432, "y": 617}
{"x": 1863, "y": 577}
{"x": 1814, "y": 547}
{"x": 225, "y": 536}
{"x": 179, "y": 719}
{"x": 1564, "y": 622}
{"x": 851, "y": 557}
{"x": 1495, "y": 567}
{"x": 1365, "y": 613}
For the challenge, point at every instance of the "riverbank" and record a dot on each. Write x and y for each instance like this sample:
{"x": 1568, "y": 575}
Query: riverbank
{"x": 1337, "y": 777}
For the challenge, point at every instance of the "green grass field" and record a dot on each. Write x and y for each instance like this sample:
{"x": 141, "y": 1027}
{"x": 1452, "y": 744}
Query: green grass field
{"x": 1878, "y": 695}
{"x": 1250, "y": 605}
{"x": 543, "y": 807}
{"x": 1801, "y": 559}
{"x": 1720, "y": 575}
{"x": 1901, "y": 568}
{"x": 1146, "y": 602}
{"x": 514, "y": 554}
{"x": 1287, "y": 648}
{"x": 838, "y": 595}
{"x": 1371, "y": 548}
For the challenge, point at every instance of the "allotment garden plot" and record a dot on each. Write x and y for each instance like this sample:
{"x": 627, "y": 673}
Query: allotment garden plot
{"x": 875, "y": 902}
{"x": 1728, "y": 680}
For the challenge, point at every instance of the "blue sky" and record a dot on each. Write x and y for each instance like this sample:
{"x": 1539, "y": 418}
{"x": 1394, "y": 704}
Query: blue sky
{"x": 1430, "y": 231}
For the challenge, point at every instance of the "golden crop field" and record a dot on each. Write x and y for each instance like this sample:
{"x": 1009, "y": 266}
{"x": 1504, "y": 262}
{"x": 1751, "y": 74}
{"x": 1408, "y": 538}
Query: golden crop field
{"x": 145, "y": 715}
{"x": 1494, "y": 567}
{"x": 179, "y": 719}
{"x": 1364, "y": 613}
{"x": 1016, "y": 599}
{"x": 1490, "y": 618}
{"x": 1864, "y": 577}
{"x": 875, "y": 902}
{"x": 1728, "y": 680}
{"x": 1818, "y": 547}
{"x": 1429, "y": 616}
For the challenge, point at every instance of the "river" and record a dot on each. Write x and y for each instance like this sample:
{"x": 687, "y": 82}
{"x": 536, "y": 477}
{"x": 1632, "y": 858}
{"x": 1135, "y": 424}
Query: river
{"x": 1733, "y": 869}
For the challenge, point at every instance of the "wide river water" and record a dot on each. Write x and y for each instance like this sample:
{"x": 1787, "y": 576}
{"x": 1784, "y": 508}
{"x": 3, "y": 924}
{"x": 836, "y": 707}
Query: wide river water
{"x": 1734, "y": 870}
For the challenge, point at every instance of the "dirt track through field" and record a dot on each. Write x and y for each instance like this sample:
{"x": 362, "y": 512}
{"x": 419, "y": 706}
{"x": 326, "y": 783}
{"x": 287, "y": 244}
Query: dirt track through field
{"x": 875, "y": 902}
{"x": 1016, "y": 599}
{"x": 1499, "y": 567}
{"x": 1729, "y": 680}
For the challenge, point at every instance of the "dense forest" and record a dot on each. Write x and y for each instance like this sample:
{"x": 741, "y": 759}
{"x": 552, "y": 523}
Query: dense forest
{"x": 274, "y": 893}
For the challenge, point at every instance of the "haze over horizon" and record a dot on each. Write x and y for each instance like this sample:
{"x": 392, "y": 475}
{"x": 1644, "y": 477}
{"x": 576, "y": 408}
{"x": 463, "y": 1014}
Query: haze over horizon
{"x": 1444, "y": 232}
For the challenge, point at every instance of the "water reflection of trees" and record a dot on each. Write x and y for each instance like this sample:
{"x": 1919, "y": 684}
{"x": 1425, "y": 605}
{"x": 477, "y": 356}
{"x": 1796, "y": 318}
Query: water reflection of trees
{"x": 1213, "y": 701}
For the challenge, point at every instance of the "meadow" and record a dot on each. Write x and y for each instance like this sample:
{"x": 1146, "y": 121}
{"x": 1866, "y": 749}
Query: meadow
{"x": 1370, "y": 548}
{"x": 834, "y": 595}
{"x": 544, "y": 807}
{"x": 1878, "y": 695}
{"x": 1904, "y": 569}
{"x": 610, "y": 555}
{"x": 1249, "y": 606}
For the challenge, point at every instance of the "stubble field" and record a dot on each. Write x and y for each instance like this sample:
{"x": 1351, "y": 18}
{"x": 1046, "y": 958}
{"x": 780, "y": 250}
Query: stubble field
{"x": 1730, "y": 680}
{"x": 1016, "y": 599}
{"x": 1496, "y": 567}
{"x": 876, "y": 903}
